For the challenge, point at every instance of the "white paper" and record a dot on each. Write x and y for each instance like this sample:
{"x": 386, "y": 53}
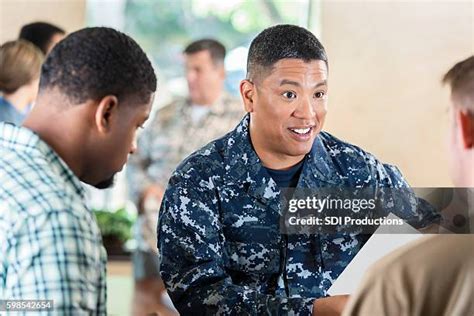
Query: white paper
{"x": 383, "y": 241}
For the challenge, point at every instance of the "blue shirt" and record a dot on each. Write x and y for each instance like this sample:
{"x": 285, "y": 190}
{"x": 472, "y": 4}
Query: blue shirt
{"x": 50, "y": 244}
{"x": 286, "y": 178}
{"x": 219, "y": 240}
{"x": 8, "y": 113}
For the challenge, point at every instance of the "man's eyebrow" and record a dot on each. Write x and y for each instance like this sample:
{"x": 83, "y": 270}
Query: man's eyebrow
{"x": 294, "y": 83}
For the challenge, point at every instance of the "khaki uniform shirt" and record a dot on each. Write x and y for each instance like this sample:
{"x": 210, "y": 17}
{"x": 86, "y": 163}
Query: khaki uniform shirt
{"x": 433, "y": 276}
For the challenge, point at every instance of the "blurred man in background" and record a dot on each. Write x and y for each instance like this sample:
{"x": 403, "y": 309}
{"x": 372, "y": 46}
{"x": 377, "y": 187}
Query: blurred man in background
{"x": 177, "y": 130}
{"x": 43, "y": 35}
{"x": 434, "y": 276}
{"x": 20, "y": 67}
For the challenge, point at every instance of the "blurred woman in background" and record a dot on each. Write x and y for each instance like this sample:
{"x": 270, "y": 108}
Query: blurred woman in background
{"x": 20, "y": 66}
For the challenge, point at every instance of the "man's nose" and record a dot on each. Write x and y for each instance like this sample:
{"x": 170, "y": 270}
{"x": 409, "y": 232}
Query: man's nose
{"x": 306, "y": 109}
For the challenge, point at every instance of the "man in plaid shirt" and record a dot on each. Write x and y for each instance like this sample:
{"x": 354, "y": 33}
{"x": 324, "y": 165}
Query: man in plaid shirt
{"x": 96, "y": 90}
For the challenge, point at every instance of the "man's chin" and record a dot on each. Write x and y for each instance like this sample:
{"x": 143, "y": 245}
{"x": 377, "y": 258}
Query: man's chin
{"x": 105, "y": 184}
{"x": 299, "y": 153}
{"x": 300, "y": 149}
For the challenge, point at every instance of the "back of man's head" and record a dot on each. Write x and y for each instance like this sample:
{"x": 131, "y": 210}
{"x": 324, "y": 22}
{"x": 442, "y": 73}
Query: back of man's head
{"x": 94, "y": 62}
{"x": 280, "y": 42}
{"x": 40, "y": 34}
{"x": 460, "y": 79}
{"x": 215, "y": 48}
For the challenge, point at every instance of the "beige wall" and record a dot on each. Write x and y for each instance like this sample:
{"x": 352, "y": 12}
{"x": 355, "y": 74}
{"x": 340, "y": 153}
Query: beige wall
{"x": 68, "y": 14}
{"x": 386, "y": 61}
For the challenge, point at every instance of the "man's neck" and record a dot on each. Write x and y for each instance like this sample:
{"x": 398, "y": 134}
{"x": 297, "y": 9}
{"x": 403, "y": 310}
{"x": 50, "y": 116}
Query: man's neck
{"x": 279, "y": 163}
{"x": 60, "y": 136}
{"x": 20, "y": 101}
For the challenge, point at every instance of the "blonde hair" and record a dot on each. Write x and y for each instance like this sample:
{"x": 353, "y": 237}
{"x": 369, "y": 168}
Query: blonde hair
{"x": 20, "y": 63}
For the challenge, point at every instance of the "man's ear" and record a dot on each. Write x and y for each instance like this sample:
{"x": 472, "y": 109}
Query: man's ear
{"x": 465, "y": 122}
{"x": 247, "y": 91}
{"x": 106, "y": 109}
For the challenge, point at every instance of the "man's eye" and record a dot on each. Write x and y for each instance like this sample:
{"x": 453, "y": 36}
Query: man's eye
{"x": 319, "y": 95}
{"x": 289, "y": 95}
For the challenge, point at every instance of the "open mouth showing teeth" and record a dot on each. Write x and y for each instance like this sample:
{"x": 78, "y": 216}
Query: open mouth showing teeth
{"x": 301, "y": 131}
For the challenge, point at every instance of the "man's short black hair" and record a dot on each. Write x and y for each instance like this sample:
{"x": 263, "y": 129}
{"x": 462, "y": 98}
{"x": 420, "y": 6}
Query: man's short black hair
{"x": 215, "y": 48}
{"x": 94, "y": 62}
{"x": 40, "y": 34}
{"x": 280, "y": 42}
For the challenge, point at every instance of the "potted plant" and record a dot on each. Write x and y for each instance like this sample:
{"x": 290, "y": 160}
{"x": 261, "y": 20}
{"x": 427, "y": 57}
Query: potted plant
{"x": 115, "y": 227}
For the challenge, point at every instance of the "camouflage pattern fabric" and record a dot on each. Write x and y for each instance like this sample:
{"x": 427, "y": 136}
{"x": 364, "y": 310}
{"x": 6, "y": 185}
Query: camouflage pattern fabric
{"x": 219, "y": 239}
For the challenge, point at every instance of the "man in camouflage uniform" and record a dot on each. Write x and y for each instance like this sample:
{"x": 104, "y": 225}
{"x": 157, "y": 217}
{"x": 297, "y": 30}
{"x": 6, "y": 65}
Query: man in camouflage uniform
{"x": 178, "y": 129}
{"x": 219, "y": 240}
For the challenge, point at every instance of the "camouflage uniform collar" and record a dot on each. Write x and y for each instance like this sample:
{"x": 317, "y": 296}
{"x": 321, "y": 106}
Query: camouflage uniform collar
{"x": 320, "y": 166}
{"x": 244, "y": 166}
{"x": 218, "y": 108}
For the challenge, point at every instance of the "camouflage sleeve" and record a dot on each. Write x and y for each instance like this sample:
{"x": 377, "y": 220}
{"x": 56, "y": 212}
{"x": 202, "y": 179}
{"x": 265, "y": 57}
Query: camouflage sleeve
{"x": 402, "y": 201}
{"x": 193, "y": 257}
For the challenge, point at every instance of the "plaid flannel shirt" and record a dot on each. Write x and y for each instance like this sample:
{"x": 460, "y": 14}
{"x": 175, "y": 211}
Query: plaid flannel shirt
{"x": 50, "y": 244}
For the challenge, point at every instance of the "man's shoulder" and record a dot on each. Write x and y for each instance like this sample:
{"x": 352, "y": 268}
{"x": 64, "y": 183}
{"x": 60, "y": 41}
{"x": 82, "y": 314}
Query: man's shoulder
{"x": 30, "y": 184}
{"x": 232, "y": 103}
{"x": 343, "y": 150}
{"x": 170, "y": 110}
{"x": 206, "y": 161}
{"x": 352, "y": 161}
{"x": 446, "y": 248}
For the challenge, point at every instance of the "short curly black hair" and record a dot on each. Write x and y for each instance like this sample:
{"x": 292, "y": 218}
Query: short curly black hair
{"x": 280, "y": 42}
{"x": 98, "y": 61}
{"x": 40, "y": 34}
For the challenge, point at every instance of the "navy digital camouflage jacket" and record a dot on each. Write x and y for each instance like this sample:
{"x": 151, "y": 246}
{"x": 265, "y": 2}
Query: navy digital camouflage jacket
{"x": 219, "y": 239}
